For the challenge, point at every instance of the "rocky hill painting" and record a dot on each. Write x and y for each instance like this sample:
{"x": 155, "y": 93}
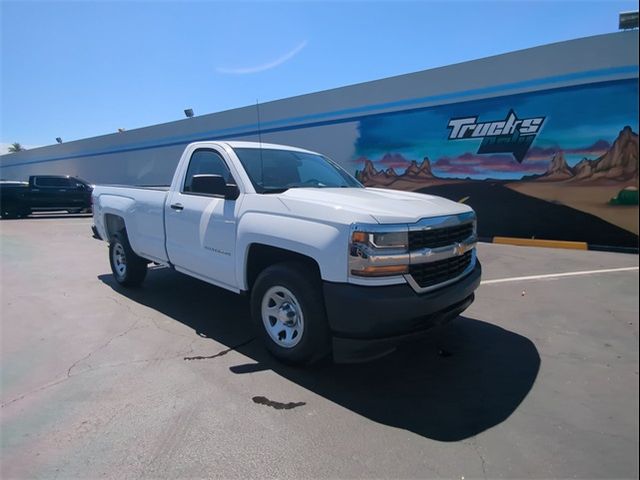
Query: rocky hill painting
{"x": 420, "y": 174}
{"x": 618, "y": 164}
{"x": 592, "y": 185}
{"x": 582, "y": 157}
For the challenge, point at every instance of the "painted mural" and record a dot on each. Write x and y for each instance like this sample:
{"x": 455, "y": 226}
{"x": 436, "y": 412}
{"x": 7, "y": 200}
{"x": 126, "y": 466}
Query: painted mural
{"x": 557, "y": 164}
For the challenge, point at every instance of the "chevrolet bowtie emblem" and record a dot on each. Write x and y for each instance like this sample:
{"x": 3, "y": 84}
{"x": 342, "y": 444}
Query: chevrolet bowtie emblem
{"x": 458, "y": 249}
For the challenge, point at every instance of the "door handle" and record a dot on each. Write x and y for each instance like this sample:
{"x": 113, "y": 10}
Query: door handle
{"x": 177, "y": 206}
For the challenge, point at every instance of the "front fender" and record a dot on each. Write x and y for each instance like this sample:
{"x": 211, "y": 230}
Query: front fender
{"x": 325, "y": 243}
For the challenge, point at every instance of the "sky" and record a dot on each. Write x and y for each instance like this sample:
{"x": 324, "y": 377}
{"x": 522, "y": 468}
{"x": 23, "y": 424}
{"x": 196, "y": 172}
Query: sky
{"x": 81, "y": 69}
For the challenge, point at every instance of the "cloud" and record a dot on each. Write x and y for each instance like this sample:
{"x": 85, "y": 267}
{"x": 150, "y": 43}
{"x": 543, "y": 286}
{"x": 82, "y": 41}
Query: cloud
{"x": 466, "y": 165}
{"x": 394, "y": 160}
{"x": 539, "y": 153}
{"x": 267, "y": 66}
{"x": 596, "y": 149}
{"x": 486, "y": 165}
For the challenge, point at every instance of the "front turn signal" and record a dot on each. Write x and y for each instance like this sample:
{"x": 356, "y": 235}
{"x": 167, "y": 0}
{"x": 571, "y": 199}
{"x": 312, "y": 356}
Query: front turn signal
{"x": 381, "y": 271}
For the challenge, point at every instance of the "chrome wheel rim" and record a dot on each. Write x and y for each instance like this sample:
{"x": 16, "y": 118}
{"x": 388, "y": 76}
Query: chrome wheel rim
{"x": 119, "y": 260}
{"x": 282, "y": 317}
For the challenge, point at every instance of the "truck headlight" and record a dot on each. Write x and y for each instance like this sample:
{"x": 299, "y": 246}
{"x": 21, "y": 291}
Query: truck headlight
{"x": 379, "y": 254}
{"x": 381, "y": 240}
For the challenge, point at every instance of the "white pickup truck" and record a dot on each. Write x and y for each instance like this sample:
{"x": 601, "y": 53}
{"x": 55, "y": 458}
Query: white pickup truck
{"x": 330, "y": 266}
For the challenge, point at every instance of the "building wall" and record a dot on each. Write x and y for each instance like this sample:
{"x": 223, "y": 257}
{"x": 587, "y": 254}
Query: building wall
{"x": 397, "y": 133}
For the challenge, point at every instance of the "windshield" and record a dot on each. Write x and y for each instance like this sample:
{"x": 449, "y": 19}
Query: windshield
{"x": 273, "y": 171}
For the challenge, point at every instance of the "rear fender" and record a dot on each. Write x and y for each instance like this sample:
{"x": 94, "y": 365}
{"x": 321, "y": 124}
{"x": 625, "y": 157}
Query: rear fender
{"x": 116, "y": 206}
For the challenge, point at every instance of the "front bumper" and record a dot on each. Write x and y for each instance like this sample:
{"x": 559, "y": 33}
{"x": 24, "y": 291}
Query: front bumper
{"x": 369, "y": 321}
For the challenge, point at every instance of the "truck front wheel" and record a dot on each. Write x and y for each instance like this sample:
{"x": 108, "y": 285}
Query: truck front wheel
{"x": 288, "y": 311}
{"x": 128, "y": 268}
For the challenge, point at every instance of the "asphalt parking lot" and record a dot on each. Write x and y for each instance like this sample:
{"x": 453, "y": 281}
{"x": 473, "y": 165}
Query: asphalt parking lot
{"x": 538, "y": 379}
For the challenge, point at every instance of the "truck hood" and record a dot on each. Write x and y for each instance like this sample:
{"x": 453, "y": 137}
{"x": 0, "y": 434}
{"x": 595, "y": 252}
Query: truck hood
{"x": 380, "y": 205}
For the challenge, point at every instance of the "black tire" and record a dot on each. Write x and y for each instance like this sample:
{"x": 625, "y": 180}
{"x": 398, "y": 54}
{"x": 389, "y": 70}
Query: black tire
{"x": 314, "y": 341}
{"x": 7, "y": 214}
{"x": 128, "y": 268}
{"x": 11, "y": 209}
{"x": 10, "y": 213}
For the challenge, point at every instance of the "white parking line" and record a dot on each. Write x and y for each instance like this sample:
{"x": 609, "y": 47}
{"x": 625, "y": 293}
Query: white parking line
{"x": 557, "y": 275}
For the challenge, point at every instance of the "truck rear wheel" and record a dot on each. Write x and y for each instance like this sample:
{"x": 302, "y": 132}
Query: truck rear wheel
{"x": 9, "y": 213}
{"x": 14, "y": 211}
{"x": 288, "y": 311}
{"x": 128, "y": 268}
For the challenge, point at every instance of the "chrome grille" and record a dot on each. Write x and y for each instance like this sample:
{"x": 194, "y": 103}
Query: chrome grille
{"x": 439, "y": 237}
{"x": 434, "y": 273}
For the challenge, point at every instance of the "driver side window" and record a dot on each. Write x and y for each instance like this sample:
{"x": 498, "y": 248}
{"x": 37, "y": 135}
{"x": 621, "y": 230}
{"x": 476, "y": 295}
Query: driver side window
{"x": 206, "y": 162}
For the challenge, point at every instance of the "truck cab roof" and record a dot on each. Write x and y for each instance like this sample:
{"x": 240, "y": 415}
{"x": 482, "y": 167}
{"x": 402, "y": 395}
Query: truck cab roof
{"x": 265, "y": 146}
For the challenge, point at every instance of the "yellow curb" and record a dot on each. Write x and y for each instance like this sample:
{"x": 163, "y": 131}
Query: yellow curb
{"x": 532, "y": 242}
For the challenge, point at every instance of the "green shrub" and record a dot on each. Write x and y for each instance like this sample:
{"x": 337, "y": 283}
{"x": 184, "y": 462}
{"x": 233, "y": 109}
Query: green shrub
{"x": 627, "y": 196}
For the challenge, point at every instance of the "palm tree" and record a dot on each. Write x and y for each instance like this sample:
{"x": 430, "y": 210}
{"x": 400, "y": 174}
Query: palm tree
{"x": 16, "y": 147}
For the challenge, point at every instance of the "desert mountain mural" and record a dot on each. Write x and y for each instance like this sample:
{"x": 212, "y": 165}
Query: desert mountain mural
{"x": 578, "y": 180}
{"x": 618, "y": 164}
{"x": 558, "y": 169}
{"x": 370, "y": 176}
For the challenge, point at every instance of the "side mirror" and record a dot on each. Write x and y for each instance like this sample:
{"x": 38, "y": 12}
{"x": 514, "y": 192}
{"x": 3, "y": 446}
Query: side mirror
{"x": 233, "y": 192}
{"x": 214, "y": 185}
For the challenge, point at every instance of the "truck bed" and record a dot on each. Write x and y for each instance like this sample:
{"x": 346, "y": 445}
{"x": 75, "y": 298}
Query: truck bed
{"x": 142, "y": 209}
